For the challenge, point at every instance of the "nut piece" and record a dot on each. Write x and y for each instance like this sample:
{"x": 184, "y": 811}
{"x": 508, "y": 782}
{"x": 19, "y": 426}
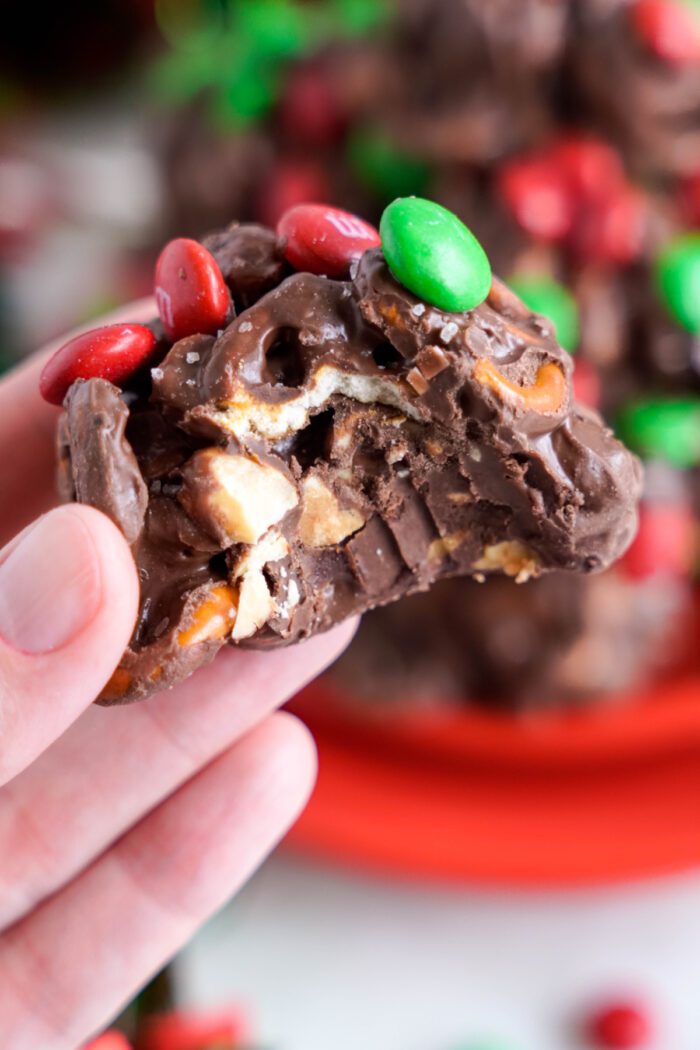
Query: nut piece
{"x": 234, "y": 496}
{"x": 511, "y": 557}
{"x": 546, "y": 395}
{"x": 445, "y": 546}
{"x": 213, "y": 619}
{"x": 323, "y": 522}
{"x": 255, "y": 603}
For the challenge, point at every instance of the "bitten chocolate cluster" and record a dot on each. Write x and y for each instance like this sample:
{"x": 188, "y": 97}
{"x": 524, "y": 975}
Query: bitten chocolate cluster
{"x": 332, "y": 445}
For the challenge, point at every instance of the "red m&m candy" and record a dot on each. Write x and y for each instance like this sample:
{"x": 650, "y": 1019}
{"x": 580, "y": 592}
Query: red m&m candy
{"x": 537, "y": 193}
{"x": 291, "y": 182}
{"x": 111, "y": 1040}
{"x": 689, "y": 195}
{"x": 619, "y": 1026}
{"x": 190, "y": 292}
{"x": 309, "y": 111}
{"x": 670, "y": 29}
{"x": 591, "y": 166}
{"x": 612, "y": 229}
{"x": 324, "y": 240}
{"x": 112, "y": 353}
{"x": 665, "y": 544}
{"x": 586, "y": 383}
{"x": 185, "y": 1030}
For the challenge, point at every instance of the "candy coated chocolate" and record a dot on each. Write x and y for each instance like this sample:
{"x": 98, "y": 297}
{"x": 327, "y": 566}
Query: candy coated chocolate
{"x": 112, "y": 1040}
{"x": 620, "y": 1026}
{"x": 190, "y": 292}
{"x": 678, "y": 280}
{"x": 338, "y": 445}
{"x": 664, "y": 428}
{"x": 112, "y": 352}
{"x": 539, "y": 196}
{"x": 434, "y": 255}
{"x": 669, "y": 28}
{"x": 324, "y": 240}
{"x": 384, "y": 168}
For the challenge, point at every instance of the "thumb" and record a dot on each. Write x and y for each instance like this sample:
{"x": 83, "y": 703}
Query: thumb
{"x": 68, "y": 601}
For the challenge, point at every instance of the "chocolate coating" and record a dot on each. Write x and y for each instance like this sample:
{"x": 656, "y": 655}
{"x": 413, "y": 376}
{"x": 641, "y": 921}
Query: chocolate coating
{"x": 339, "y": 445}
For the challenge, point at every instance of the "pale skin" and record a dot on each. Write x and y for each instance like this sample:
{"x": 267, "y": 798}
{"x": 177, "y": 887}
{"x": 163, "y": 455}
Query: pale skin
{"x": 121, "y": 829}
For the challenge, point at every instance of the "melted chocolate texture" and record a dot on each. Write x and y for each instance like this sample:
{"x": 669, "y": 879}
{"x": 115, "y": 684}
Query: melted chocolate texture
{"x": 339, "y": 445}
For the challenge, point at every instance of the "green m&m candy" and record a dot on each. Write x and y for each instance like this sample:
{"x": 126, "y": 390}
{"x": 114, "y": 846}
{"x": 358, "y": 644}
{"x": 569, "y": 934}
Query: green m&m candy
{"x": 663, "y": 428}
{"x": 434, "y": 255}
{"x": 678, "y": 280}
{"x": 546, "y": 296}
{"x": 384, "y": 169}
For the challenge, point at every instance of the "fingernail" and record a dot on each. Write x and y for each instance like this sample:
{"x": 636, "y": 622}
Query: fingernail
{"x": 50, "y": 583}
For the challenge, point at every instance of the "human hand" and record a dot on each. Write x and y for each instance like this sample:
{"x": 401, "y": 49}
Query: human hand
{"x": 121, "y": 829}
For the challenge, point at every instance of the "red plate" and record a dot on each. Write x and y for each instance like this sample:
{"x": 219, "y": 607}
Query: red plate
{"x": 464, "y": 795}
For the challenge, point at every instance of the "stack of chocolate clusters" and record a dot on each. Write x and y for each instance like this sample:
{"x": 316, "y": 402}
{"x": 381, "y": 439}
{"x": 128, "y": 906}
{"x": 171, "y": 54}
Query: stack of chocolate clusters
{"x": 566, "y": 134}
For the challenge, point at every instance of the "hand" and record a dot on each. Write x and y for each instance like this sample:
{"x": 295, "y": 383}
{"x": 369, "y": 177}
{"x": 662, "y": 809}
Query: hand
{"x": 121, "y": 829}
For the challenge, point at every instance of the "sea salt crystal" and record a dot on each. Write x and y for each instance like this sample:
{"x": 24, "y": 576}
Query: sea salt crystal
{"x": 418, "y": 310}
{"x": 246, "y": 326}
{"x": 157, "y": 373}
{"x": 449, "y": 332}
{"x": 192, "y": 357}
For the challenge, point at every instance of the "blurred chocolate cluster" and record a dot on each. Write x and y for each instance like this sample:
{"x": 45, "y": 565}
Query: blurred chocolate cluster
{"x": 566, "y": 133}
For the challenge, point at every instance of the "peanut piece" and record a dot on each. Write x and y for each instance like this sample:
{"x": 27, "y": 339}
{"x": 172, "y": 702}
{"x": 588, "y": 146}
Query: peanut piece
{"x": 546, "y": 395}
{"x": 511, "y": 557}
{"x": 323, "y": 522}
{"x": 237, "y": 498}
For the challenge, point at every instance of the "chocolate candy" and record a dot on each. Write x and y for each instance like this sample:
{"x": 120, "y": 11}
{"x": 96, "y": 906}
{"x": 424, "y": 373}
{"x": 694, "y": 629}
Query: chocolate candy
{"x": 384, "y": 168}
{"x": 190, "y": 292}
{"x": 310, "y": 112}
{"x": 665, "y": 544}
{"x": 545, "y": 296}
{"x": 324, "y": 240}
{"x": 112, "y": 1040}
{"x": 586, "y": 383}
{"x": 669, "y": 28}
{"x": 112, "y": 353}
{"x": 340, "y": 444}
{"x": 611, "y": 229}
{"x": 192, "y": 1030}
{"x": 678, "y": 280}
{"x": 434, "y": 255}
{"x": 664, "y": 428}
{"x": 591, "y": 166}
{"x": 539, "y": 196}
{"x": 291, "y": 183}
{"x": 619, "y": 1026}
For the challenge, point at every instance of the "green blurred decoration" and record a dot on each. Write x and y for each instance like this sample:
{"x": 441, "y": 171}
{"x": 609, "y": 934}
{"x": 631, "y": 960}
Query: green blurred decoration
{"x": 678, "y": 280}
{"x": 545, "y": 296}
{"x": 234, "y": 52}
{"x": 665, "y": 428}
{"x": 383, "y": 168}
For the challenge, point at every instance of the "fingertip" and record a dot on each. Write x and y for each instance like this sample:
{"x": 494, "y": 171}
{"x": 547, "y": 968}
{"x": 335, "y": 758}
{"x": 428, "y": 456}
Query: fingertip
{"x": 119, "y": 577}
{"x": 288, "y": 755}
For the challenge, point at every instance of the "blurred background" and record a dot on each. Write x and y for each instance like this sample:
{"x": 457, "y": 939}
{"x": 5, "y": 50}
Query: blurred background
{"x": 502, "y": 851}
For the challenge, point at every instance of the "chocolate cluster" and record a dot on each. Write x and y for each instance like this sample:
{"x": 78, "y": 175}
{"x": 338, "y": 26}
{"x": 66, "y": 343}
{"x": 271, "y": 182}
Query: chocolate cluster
{"x": 337, "y": 445}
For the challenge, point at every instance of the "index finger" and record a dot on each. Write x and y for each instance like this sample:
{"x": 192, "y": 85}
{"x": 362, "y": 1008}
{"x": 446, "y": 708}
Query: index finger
{"x": 27, "y": 431}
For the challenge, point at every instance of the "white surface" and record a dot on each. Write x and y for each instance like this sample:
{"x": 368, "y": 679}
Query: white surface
{"x": 328, "y": 961}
